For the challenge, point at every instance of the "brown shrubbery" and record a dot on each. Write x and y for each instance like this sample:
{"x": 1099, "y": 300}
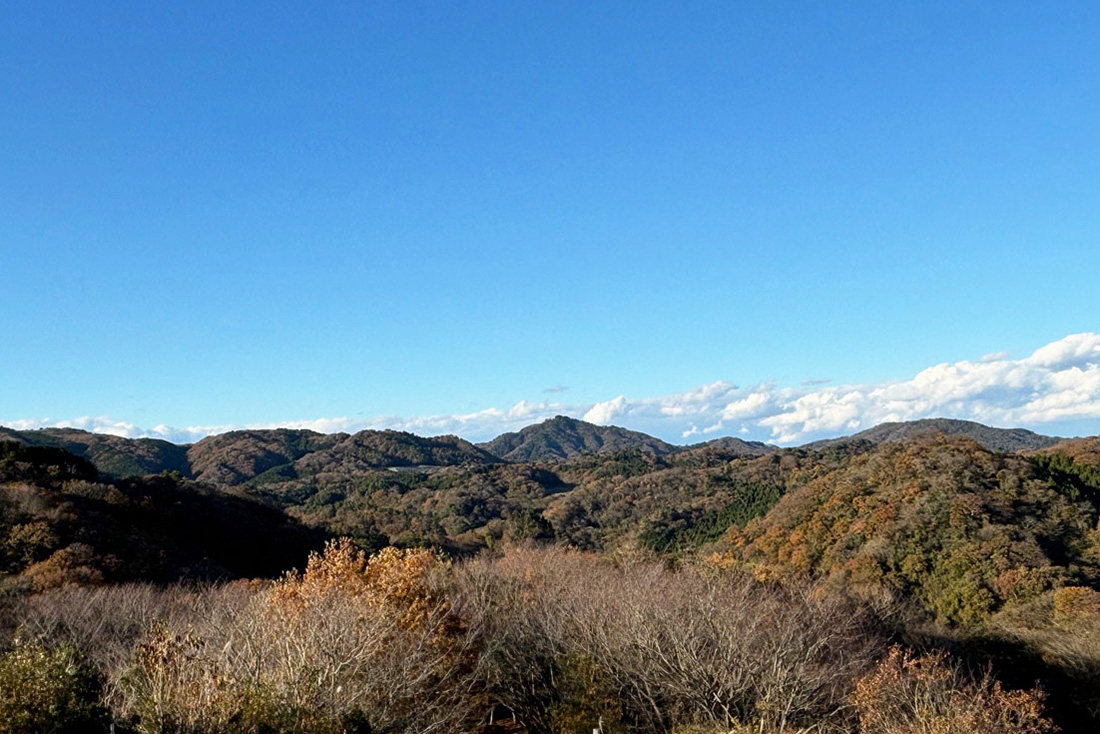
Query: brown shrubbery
{"x": 352, "y": 644}
{"x": 575, "y": 637}
{"x": 542, "y": 641}
{"x": 909, "y": 694}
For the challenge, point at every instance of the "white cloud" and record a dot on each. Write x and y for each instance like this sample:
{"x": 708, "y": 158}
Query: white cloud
{"x": 749, "y": 406}
{"x": 525, "y": 410}
{"x": 1059, "y": 382}
{"x": 607, "y": 412}
{"x": 85, "y": 423}
{"x": 694, "y": 402}
{"x": 1076, "y": 350}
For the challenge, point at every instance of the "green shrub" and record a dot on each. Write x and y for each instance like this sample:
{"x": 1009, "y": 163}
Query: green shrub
{"x": 44, "y": 691}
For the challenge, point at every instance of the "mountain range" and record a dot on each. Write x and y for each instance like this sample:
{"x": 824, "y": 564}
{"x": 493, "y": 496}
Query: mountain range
{"x": 242, "y": 456}
{"x": 944, "y": 525}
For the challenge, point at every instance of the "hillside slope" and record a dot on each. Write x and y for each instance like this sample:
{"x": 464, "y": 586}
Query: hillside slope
{"x": 962, "y": 531}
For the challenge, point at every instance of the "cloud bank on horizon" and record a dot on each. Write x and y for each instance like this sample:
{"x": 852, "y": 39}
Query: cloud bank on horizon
{"x": 1059, "y": 382}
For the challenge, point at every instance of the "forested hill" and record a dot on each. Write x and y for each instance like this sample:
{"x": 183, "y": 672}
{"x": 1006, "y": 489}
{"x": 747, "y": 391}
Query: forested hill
{"x": 964, "y": 532}
{"x": 561, "y": 438}
{"x": 993, "y": 439}
{"x": 241, "y": 456}
{"x": 737, "y": 446}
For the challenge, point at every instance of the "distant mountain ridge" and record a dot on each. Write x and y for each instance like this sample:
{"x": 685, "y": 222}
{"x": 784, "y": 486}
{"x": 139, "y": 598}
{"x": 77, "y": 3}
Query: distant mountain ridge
{"x": 993, "y": 439}
{"x": 736, "y": 446}
{"x": 238, "y": 457}
{"x": 563, "y": 438}
{"x": 111, "y": 454}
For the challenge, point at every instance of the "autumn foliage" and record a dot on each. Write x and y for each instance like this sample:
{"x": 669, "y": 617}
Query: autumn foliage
{"x": 957, "y": 531}
{"x": 355, "y": 643}
{"x": 926, "y": 694}
{"x": 923, "y": 587}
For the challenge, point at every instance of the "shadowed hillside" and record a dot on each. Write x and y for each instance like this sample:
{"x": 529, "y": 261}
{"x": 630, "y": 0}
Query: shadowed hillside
{"x": 60, "y": 523}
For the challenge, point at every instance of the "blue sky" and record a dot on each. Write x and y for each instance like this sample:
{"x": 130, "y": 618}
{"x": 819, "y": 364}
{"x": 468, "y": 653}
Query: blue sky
{"x": 217, "y": 214}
